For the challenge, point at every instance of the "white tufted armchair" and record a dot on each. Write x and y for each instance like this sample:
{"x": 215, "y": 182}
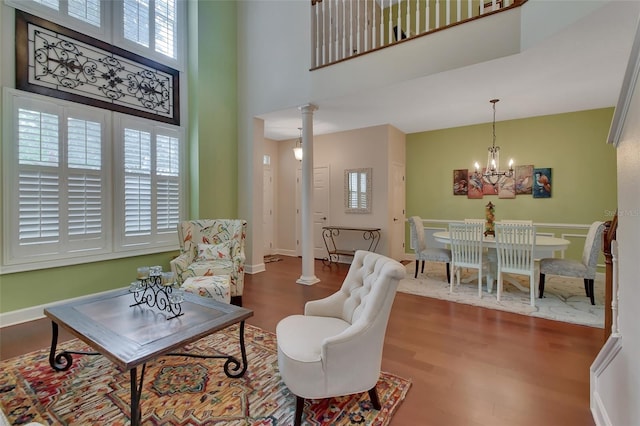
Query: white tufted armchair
{"x": 335, "y": 348}
{"x": 212, "y": 247}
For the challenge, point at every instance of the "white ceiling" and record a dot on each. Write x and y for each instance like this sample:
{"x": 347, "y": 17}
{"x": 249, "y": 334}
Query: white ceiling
{"x": 579, "y": 68}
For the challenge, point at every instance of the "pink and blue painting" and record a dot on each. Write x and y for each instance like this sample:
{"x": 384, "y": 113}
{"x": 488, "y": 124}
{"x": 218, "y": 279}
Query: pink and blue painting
{"x": 542, "y": 183}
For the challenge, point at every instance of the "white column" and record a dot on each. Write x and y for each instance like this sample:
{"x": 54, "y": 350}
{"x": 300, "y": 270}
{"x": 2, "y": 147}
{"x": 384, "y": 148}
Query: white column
{"x": 308, "y": 276}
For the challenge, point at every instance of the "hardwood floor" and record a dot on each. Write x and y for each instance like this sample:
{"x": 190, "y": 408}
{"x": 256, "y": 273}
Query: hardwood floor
{"x": 468, "y": 366}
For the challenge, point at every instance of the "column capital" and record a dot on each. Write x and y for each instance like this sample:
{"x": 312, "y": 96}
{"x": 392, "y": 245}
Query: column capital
{"x": 308, "y": 108}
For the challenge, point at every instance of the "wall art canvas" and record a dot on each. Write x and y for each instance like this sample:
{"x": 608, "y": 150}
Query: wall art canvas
{"x": 460, "y": 181}
{"x": 507, "y": 187}
{"x": 524, "y": 179}
{"x": 474, "y": 186}
{"x": 489, "y": 188}
{"x": 542, "y": 183}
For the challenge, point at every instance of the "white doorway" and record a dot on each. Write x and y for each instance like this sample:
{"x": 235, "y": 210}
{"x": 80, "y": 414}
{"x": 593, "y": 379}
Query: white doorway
{"x": 267, "y": 211}
{"x": 320, "y": 209}
{"x": 398, "y": 212}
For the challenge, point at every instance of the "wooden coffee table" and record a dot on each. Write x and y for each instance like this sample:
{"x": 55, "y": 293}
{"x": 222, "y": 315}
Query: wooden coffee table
{"x": 132, "y": 336}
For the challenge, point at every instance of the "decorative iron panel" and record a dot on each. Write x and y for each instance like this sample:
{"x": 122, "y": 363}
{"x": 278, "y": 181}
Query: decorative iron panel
{"x": 55, "y": 61}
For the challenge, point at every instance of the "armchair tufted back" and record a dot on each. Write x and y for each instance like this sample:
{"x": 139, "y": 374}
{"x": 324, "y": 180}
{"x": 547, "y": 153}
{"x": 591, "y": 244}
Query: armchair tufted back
{"x": 369, "y": 287}
{"x": 592, "y": 246}
{"x": 212, "y": 231}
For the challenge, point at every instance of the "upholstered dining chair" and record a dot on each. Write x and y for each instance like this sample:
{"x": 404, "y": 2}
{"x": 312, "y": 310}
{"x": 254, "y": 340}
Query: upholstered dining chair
{"x": 585, "y": 268}
{"x": 424, "y": 253}
{"x": 515, "y": 250}
{"x": 466, "y": 250}
{"x": 335, "y": 348}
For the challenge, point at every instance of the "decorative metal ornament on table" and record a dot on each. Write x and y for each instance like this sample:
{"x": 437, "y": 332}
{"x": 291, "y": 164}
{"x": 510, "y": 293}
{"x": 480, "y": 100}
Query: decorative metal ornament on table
{"x": 150, "y": 290}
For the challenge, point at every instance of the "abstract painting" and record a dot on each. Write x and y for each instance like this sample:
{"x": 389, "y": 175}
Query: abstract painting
{"x": 460, "y": 181}
{"x": 542, "y": 183}
{"x": 524, "y": 179}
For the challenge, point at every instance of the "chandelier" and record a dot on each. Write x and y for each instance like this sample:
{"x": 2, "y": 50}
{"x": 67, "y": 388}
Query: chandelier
{"x": 492, "y": 172}
{"x": 297, "y": 150}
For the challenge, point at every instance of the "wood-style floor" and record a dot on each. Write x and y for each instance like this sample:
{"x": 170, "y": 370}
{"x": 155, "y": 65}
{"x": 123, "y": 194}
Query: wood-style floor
{"x": 468, "y": 366}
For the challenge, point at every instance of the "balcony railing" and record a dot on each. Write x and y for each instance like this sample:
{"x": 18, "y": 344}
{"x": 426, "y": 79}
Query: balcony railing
{"x": 343, "y": 29}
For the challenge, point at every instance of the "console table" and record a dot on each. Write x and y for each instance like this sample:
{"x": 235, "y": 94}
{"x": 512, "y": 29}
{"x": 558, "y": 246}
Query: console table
{"x": 333, "y": 253}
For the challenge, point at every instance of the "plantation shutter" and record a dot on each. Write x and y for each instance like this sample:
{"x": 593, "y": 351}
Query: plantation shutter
{"x": 137, "y": 185}
{"x": 38, "y": 177}
{"x": 165, "y": 27}
{"x": 59, "y": 187}
{"x": 142, "y": 18}
{"x": 168, "y": 183}
{"x": 85, "y": 10}
{"x": 136, "y": 21}
{"x": 85, "y": 180}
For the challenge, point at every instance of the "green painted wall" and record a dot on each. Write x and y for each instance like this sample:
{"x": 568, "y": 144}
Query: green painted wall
{"x": 213, "y": 156}
{"x": 215, "y": 88}
{"x": 573, "y": 145}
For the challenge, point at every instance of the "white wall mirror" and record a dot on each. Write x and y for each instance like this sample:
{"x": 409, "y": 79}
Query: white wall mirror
{"x": 357, "y": 190}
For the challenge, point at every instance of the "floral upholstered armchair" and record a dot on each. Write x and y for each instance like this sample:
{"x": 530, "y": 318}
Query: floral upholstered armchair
{"x": 212, "y": 247}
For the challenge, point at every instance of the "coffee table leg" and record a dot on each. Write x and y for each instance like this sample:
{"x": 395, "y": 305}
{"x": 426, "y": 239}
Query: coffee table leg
{"x": 136, "y": 392}
{"x": 239, "y": 369}
{"x": 55, "y": 361}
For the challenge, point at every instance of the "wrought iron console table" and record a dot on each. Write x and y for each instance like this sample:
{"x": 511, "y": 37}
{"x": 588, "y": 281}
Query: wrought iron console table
{"x": 333, "y": 253}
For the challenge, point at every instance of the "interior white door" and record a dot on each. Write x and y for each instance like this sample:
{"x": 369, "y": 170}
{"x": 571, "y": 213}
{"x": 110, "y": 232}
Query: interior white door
{"x": 398, "y": 196}
{"x": 267, "y": 211}
{"x": 320, "y": 210}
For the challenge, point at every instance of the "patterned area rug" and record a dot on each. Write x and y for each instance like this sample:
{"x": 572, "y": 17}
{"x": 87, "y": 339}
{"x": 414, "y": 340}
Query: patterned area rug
{"x": 179, "y": 390}
{"x": 564, "y": 298}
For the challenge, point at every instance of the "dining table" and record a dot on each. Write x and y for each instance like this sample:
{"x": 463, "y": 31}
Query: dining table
{"x": 544, "y": 244}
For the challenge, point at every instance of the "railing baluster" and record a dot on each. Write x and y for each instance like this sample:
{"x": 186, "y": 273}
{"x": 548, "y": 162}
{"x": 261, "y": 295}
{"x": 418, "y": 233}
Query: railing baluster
{"x": 344, "y": 29}
{"x": 337, "y": 23}
{"x": 358, "y": 28}
{"x": 341, "y": 31}
{"x": 408, "y": 19}
{"x": 399, "y": 19}
{"x": 366, "y": 25}
{"x": 417, "y": 16}
{"x": 324, "y": 32}
{"x": 447, "y": 6}
{"x": 374, "y": 29}
{"x": 381, "y": 23}
{"x": 389, "y": 36}
{"x": 427, "y": 13}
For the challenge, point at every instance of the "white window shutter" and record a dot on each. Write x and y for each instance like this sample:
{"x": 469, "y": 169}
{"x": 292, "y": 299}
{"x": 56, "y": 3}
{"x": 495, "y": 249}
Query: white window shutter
{"x": 85, "y": 10}
{"x": 39, "y": 207}
{"x": 137, "y": 183}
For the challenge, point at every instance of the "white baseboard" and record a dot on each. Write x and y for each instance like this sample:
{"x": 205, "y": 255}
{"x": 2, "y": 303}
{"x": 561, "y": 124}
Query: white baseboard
{"x": 36, "y": 312}
{"x": 606, "y": 355}
{"x": 254, "y": 269}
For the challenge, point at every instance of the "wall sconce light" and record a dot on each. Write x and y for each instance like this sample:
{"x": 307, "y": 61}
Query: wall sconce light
{"x": 297, "y": 150}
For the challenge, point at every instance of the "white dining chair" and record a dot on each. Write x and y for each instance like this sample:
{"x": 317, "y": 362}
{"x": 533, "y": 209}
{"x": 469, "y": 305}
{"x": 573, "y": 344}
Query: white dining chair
{"x": 517, "y": 221}
{"x": 467, "y": 251}
{"x": 515, "y": 249}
